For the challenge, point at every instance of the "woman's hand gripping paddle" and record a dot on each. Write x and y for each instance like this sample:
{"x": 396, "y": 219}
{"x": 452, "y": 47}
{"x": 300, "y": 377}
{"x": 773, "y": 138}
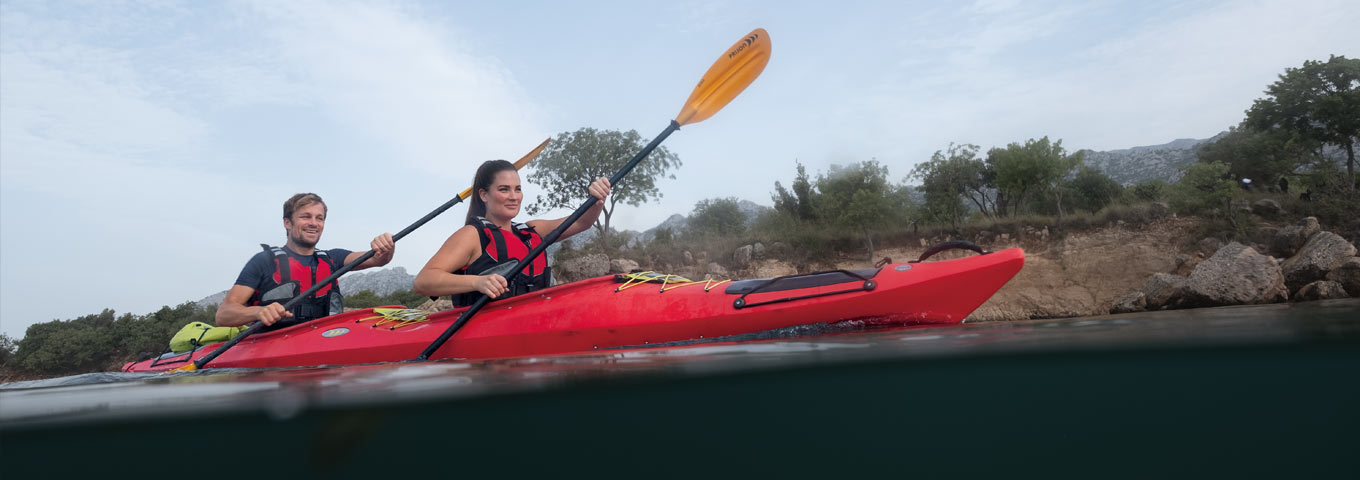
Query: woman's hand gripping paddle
{"x": 732, "y": 73}
{"x": 255, "y": 327}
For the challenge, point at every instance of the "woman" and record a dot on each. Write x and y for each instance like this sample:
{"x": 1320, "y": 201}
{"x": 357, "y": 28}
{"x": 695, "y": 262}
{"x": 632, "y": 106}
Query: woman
{"x": 466, "y": 265}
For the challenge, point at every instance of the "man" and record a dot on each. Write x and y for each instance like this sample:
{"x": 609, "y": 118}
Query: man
{"x": 277, "y": 275}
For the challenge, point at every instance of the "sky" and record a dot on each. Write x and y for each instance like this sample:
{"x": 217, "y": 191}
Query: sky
{"x": 146, "y": 147}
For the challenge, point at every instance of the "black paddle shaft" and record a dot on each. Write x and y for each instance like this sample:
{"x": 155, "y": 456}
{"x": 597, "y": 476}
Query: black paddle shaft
{"x": 255, "y": 327}
{"x": 548, "y": 240}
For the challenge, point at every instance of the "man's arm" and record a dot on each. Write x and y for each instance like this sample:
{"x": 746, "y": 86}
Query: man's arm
{"x": 234, "y": 312}
{"x": 383, "y": 247}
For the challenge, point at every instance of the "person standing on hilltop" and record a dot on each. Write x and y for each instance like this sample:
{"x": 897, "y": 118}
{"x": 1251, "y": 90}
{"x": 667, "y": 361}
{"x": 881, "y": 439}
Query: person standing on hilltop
{"x": 278, "y": 274}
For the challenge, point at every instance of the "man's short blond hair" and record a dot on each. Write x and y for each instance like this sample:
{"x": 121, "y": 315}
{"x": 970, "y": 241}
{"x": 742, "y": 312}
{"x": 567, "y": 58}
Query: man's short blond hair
{"x": 299, "y": 201}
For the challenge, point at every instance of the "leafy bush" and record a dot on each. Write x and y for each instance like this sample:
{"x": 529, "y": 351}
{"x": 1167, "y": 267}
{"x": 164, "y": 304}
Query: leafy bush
{"x": 6, "y": 350}
{"x": 1150, "y": 190}
{"x": 368, "y": 299}
{"x": 717, "y": 216}
{"x": 1204, "y": 188}
{"x": 1093, "y": 190}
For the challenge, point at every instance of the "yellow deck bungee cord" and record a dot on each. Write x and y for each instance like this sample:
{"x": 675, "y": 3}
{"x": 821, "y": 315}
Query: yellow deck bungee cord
{"x": 666, "y": 279}
{"x": 402, "y": 317}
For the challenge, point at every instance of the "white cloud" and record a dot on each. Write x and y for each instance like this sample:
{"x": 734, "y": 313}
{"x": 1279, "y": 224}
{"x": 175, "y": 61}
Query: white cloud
{"x": 1008, "y": 72}
{"x": 394, "y": 75}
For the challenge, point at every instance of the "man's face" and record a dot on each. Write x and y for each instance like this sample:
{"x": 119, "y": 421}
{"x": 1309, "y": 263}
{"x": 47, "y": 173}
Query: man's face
{"x": 304, "y": 229}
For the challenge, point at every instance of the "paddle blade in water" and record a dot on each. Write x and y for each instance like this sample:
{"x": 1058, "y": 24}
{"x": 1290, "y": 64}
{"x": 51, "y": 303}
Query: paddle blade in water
{"x": 518, "y": 163}
{"x": 735, "y": 70}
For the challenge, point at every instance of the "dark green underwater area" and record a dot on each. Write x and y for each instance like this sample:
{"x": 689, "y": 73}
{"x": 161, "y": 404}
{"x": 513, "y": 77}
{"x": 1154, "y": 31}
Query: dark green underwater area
{"x": 1253, "y": 391}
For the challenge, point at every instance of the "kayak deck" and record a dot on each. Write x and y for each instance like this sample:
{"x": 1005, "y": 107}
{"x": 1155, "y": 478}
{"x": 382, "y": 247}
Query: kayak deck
{"x": 603, "y": 313}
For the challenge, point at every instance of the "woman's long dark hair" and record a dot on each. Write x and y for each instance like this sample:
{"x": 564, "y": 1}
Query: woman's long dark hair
{"x": 485, "y": 175}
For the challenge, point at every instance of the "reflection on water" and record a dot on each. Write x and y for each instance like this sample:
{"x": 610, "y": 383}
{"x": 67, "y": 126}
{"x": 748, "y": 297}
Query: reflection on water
{"x": 1257, "y": 391}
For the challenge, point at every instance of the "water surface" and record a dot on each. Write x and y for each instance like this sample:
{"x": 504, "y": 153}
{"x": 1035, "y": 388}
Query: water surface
{"x": 1257, "y": 390}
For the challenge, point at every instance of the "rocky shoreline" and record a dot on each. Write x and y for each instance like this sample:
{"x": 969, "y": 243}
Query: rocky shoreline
{"x": 1116, "y": 269}
{"x": 1301, "y": 262}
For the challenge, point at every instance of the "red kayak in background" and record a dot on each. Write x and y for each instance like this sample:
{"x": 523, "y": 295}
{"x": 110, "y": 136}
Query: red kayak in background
{"x": 636, "y": 310}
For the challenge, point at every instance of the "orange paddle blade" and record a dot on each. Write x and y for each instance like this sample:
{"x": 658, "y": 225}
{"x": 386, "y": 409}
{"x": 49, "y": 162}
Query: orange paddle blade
{"x": 518, "y": 164}
{"x": 731, "y": 74}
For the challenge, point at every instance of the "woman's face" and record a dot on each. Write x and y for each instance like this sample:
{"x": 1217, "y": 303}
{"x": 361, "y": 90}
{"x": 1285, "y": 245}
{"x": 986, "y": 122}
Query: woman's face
{"x": 503, "y": 198}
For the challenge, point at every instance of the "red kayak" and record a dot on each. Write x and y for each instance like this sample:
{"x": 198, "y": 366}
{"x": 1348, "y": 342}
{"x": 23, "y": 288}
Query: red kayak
{"x": 624, "y": 311}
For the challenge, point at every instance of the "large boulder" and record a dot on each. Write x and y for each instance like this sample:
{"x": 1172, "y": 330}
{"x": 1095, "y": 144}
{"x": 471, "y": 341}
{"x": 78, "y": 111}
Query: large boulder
{"x": 742, "y": 257}
{"x": 622, "y": 265}
{"x": 1161, "y": 290}
{"x": 1323, "y": 253}
{"x": 1290, "y": 239}
{"x": 1186, "y": 263}
{"x": 1235, "y": 275}
{"x": 772, "y": 268}
{"x": 1266, "y": 207}
{"x": 716, "y": 270}
{"x": 1348, "y": 275}
{"x": 1210, "y": 245}
{"x": 583, "y": 267}
{"x": 436, "y": 306}
{"x": 1133, "y": 302}
{"x": 1320, "y": 290}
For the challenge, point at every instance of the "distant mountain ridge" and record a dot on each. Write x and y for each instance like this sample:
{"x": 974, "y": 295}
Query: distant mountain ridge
{"x": 1135, "y": 165}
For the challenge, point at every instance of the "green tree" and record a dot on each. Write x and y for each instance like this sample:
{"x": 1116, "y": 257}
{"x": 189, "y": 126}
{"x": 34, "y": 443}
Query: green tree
{"x": 663, "y": 237}
{"x": 405, "y": 297}
{"x": 101, "y": 341}
{"x": 1092, "y": 190}
{"x": 1319, "y": 101}
{"x": 856, "y": 196}
{"x": 363, "y": 299}
{"x": 6, "y": 350}
{"x": 1150, "y": 190}
{"x": 566, "y": 168}
{"x": 1037, "y": 166}
{"x": 369, "y": 299}
{"x": 902, "y": 209}
{"x": 798, "y": 202}
{"x": 1262, "y": 156}
{"x": 61, "y": 347}
{"x": 1205, "y": 186}
{"x": 954, "y": 175}
{"x": 717, "y": 216}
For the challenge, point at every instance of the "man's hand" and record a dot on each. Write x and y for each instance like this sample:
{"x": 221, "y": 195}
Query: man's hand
{"x": 268, "y": 314}
{"x": 383, "y": 247}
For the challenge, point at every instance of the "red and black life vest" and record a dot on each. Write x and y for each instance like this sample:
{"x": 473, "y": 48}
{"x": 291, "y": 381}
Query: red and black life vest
{"x": 291, "y": 277}
{"x": 496, "y": 250}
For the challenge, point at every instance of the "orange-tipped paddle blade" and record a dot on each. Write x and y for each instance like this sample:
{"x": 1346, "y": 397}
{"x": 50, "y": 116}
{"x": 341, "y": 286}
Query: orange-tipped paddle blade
{"x": 187, "y": 368}
{"x": 728, "y": 76}
{"x": 518, "y": 163}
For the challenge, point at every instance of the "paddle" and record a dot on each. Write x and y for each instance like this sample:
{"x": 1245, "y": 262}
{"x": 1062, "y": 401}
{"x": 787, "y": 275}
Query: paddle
{"x": 723, "y": 81}
{"x": 255, "y": 327}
